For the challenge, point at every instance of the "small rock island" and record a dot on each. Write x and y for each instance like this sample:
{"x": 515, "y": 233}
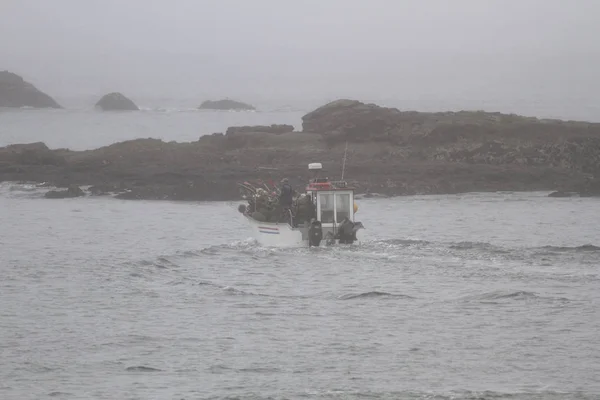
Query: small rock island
{"x": 116, "y": 102}
{"x": 226, "y": 105}
{"x": 16, "y": 92}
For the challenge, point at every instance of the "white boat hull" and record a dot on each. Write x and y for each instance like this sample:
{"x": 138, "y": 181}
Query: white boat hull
{"x": 270, "y": 234}
{"x": 282, "y": 235}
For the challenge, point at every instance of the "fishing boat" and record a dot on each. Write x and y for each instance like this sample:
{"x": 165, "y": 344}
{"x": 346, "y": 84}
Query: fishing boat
{"x": 324, "y": 214}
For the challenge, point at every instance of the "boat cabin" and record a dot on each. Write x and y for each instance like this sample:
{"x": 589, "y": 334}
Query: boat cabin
{"x": 334, "y": 200}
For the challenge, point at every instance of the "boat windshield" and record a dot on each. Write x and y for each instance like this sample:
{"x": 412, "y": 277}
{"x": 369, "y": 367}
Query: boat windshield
{"x": 342, "y": 206}
{"x": 327, "y": 207}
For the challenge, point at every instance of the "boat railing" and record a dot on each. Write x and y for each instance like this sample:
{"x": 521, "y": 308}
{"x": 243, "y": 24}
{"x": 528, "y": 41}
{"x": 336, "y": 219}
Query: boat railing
{"x": 339, "y": 184}
{"x": 289, "y": 210}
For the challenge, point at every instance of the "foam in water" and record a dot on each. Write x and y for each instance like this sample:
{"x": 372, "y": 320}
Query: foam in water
{"x": 26, "y": 190}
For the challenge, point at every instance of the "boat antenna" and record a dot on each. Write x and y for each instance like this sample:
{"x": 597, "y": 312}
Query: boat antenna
{"x": 344, "y": 160}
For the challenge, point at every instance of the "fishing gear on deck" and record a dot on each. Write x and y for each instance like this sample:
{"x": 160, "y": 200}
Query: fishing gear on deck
{"x": 264, "y": 205}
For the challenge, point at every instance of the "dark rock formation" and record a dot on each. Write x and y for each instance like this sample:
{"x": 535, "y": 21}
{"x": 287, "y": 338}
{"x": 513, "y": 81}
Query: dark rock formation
{"x": 352, "y": 120}
{"x": 116, "y": 102}
{"x": 226, "y": 105}
{"x": 261, "y": 128}
{"x": 15, "y": 92}
{"x": 103, "y": 189}
{"x": 390, "y": 152}
{"x": 32, "y": 154}
{"x": 72, "y": 191}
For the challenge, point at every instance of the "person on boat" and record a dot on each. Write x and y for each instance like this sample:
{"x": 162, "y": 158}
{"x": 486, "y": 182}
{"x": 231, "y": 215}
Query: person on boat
{"x": 287, "y": 194}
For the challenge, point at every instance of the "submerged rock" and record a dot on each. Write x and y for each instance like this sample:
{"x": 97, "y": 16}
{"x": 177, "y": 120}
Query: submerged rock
{"x": 16, "y": 92}
{"x": 116, "y": 102}
{"x": 226, "y": 105}
{"x": 72, "y": 191}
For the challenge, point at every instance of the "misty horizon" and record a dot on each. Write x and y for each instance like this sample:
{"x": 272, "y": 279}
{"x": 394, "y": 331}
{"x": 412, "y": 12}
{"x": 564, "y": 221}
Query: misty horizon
{"x": 476, "y": 55}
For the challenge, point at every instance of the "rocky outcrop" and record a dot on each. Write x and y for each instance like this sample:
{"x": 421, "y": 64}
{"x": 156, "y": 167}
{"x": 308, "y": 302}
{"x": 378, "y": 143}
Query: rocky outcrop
{"x": 71, "y": 192}
{"x": 390, "y": 152}
{"x": 352, "y": 120}
{"x": 116, "y": 102}
{"x": 31, "y": 154}
{"x": 226, "y": 105}
{"x": 16, "y": 92}
{"x": 278, "y": 129}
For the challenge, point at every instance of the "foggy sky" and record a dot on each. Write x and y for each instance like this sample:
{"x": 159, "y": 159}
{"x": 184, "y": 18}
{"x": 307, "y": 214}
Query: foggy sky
{"x": 255, "y": 50}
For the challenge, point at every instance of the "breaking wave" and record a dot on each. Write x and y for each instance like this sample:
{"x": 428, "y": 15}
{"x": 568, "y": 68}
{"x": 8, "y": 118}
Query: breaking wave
{"x": 24, "y": 190}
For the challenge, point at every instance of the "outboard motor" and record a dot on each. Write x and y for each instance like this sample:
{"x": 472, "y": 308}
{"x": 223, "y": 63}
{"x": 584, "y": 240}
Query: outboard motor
{"x": 344, "y": 232}
{"x": 357, "y": 226}
{"x": 347, "y": 231}
{"x": 315, "y": 233}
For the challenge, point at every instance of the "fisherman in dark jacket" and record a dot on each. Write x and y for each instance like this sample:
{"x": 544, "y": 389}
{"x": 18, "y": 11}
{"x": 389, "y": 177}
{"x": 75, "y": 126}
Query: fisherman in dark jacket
{"x": 287, "y": 194}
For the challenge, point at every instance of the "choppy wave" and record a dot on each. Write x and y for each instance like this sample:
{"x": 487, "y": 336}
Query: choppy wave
{"x": 483, "y": 246}
{"x": 483, "y": 250}
{"x": 409, "y": 395}
{"x": 235, "y": 291}
{"x": 160, "y": 262}
{"x": 229, "y": 290}
{"x": 221, "y": 369}
{"x": 585, "y": 247}
{"x": 372, "y": 294}
{"x": 142, "y": 368}
{"x": 516, "y": 295}
{"x": 478, "y": 246}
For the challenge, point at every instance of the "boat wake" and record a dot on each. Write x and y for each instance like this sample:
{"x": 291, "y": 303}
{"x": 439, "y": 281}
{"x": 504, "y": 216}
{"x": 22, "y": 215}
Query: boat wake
{"x": 392, "y": 250}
